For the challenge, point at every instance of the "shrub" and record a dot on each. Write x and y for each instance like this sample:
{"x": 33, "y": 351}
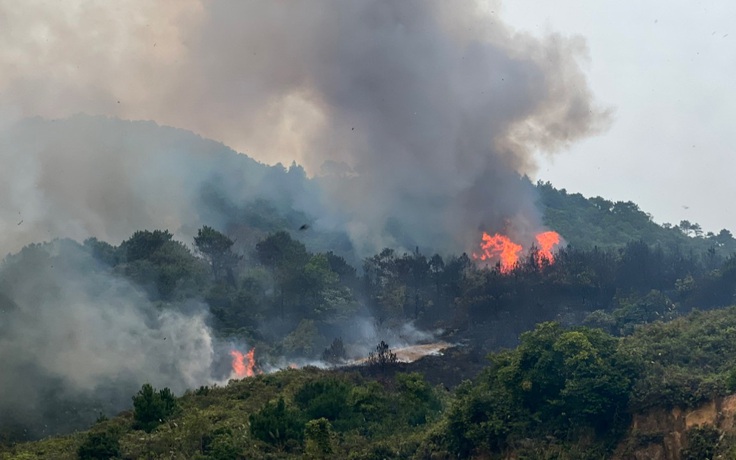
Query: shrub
{"x": 417, "y": 398}
{"x": 152, "y": 407}
{"x": 702, "y": 443}
{"x": 99, "y": 446}
{"x": 219, "y": 445}
{"x": 277, "y": 424}
{"x": 318, "y": 434}
{"x": 324, "y": 398}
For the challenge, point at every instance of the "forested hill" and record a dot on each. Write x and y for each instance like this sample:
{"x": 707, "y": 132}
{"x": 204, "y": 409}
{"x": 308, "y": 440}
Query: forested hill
{"x": 260, "y": 277}
{"x": 563, "y": 393}
{"x": 596, "y": 222}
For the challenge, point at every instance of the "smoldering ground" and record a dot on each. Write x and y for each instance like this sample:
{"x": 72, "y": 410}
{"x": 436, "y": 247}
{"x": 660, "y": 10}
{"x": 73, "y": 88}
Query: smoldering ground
{"x": 420, "y": 114}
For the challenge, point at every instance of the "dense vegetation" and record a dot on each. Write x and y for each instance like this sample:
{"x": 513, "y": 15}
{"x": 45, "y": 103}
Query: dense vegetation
{"x": 565, "y": 392}
{"x": 597, "y": 222}
{"x": 309, "y": 299}
{"x": 599, "y": 335}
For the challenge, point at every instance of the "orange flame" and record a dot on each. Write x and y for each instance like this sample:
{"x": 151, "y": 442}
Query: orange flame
{"x": 506, "y": 252}
{"x": 547, "y": 241}
{"x": 499, "y": 247}
{"x": 244, "y": 364}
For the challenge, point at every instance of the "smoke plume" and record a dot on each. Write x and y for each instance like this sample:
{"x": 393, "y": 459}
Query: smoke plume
{"x": 419, "y": 115}
{"x": 93, "y": 176}
{"x": 417, "y": 120}
{"x": 76, "y": 340}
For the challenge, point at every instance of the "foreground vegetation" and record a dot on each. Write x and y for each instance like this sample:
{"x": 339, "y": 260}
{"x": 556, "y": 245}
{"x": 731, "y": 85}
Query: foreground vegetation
{"x": 606, "y": 331}
{"x": 564, "y": 393}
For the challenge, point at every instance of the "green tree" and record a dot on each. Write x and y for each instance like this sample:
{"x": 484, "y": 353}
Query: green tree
{"x": 336, "y": 353}
{"x": 318, "y": 435}
{"x": 103, "y": 251}
{"x": 569, "y": 376}
{"x": 219, "y": 445}
{"x": 556, "y": 382}
{"x": 279, "y": 251}
{"x": 144, "y": 243}
{"x": 286, "y": 259}
{"x": 322, "y": 296}
{"x": 301, "y": 341}
{"x": 370, "y": 402}
{"x": 152, "y": 407}
{"x": 701, "y": 443}
{"x": 164, "y": 267}
{"x": 324, "y": 398}
{"x": 385, "y": 289}
{"x": 277, "y": 424}
{"x": 100, "y": 445}
{"x": 417, "y": 398}
{"x": 216, "y": 248}
{"x": 178, "y": 273}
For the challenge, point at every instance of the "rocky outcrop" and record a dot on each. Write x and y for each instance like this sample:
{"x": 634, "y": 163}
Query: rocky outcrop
{"x": 661, "y": 434}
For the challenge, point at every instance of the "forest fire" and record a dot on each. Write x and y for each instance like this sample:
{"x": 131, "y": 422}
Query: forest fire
{"x": 501, "y": 248}
{"x": 243, "y": 363}
{"x": 546, "y": 241}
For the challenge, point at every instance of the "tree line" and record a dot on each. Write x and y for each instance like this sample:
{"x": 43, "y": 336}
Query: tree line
{"x": 312, "y": 295}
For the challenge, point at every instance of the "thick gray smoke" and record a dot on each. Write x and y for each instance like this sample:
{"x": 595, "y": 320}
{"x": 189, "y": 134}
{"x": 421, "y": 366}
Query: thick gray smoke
{"x": 77, "y": 340}
{"x": 417, "y": 118}
{"x": 93, "y": 176}
{"x": 420, "y": 113}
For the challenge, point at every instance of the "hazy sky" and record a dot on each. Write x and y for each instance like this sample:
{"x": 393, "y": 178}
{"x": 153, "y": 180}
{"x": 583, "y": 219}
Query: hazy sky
{"x": 667, "y": 69}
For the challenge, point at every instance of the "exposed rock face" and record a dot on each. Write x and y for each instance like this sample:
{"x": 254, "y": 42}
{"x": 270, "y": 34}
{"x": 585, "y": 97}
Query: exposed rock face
{"x": 661, "y": 434}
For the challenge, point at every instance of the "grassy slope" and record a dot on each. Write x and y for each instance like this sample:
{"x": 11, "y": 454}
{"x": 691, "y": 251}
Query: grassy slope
{"x": 226, "y": 410}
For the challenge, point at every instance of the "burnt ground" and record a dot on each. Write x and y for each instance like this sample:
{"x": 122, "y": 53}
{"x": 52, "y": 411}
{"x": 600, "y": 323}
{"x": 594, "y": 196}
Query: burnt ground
{"x": 448, "y": 369}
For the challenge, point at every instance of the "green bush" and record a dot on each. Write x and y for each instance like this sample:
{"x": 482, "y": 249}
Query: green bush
{"x": 324, "y": 398}
{"x": 731, "y": 381}
{"x": 318, "y": 434}
{"x": 219, "y": 445}
{"x": 152, "y": 407}
{"x": 702, "y": 443}
{"x": 417, "y": 398}
{"x": 277, "y": 424}
{"x": 558, "y": 382}
{"x": 369, "y": 402}
{"x": 99, "y": 446}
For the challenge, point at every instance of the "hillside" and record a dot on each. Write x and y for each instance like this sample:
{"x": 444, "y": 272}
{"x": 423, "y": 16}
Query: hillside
{"x": 597, "y": 222}
{"x": 249, "y": 265}
{"x": 571, "y": 393}
{"x": 91, "y": 176}
{"x": 106, "y": 178}
{"x": 186, "y": 310}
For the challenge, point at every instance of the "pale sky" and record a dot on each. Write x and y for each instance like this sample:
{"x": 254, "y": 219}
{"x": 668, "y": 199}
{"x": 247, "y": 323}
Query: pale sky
{"x": 667, "y": 68}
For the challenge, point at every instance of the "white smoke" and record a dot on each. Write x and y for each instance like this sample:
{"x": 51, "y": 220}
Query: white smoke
{"x": 72, "y": 330}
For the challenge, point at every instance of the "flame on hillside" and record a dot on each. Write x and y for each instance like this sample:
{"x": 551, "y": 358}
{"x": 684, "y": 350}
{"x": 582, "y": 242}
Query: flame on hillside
{"x": 499, "y": 248}
{"x": 546, "y": 241}
{"x": 502, "y": 249}
{"x": 243, "y": 363}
